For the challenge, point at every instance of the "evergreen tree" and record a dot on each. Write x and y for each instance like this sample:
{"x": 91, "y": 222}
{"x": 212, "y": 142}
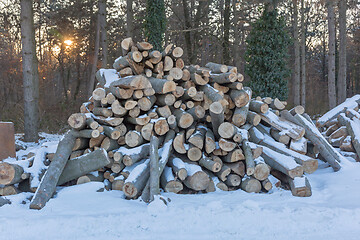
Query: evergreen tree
{"x": 155, "y": 23}
{"x": 266, "y": 56}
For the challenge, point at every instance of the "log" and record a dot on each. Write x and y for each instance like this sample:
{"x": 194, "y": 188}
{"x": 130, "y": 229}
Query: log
{"x": 154, "y": 168}
{"x": 162, "y": 86}
{"x": 118, "y": 183}
{"x": 279, "y": 136}
{"x": 183, "y": 118}
{"x": 179, "y": 142}
{"x": 223, "y": 78}
{"x": 147, "y": 130}
{"x": 10, "y": 173}
{"x": 282, "y": 163}
{"x": 237, "y": 167}
{"x": 133, "y": 155}
{"x": 266, "y": 184}
{"x": 126, "y": 45}
{"x": 250, "y": 184}
{"x": 325, "y": 149}
{"x": 146, "y": 103}
{"x": 122, "y": 93}
{"x": 299, "y": 146}
{"x": 125, "y": 72}
{"x": 169, "y": 183}
{"x": 198, "y": 137}
{"x": 262, "y": 170}
{"x": 77, "y": 121}
{"x": 258, "y": 106}
{"x": 223, "y": 173}
{"x": 105, "y": 112}
{"x": 233, "y": 180}
{"x": 133, "y": 139}
{"x": 210, "y": 144}
{"x": 48, "y": 183}
{"x": 109, "y": 144}
{"x": 209, "y": 164}
{"x": 353, "y": 128}
{"x": 292, "y": 130}
{"x": 144, "y": 46}
{"x": 132, "y": 82}
{"x": 213, "y": 95}
{"x": 196, "y": 179}
{"x": 234, "y": 156}
{"x": 198, "y": 112}
{"x": 176, "y": 73}
{"x": 137, "y": 180}
{"x": 276, "y": 104}
{"x": 111, "y": 132}
{"x": 217, "y": 117}
{"x": 226, "y": 145}
{"x": 91, "y": 177}
{"x": 217, "y": 68}
{"x": 8, "y": 190}
{"x": 194, "y": 153}
{"x": 240, "y": 97}
{"x": 249, "y": 160}
{"x": 82, "y": 165}
{"x": 178, "y": 167}
{"x": 297, "y": 110}
{"x": 177, "y": 52}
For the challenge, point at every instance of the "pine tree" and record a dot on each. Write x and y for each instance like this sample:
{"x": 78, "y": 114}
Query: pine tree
{"x": 266, "y": 56}
{"x": 155, "y": 23}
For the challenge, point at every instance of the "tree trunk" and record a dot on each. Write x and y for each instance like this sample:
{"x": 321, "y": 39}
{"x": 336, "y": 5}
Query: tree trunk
{"x": 95, "y": 57}
{"x": 30, "y": 72}
{"x": 226, "y": 41}
{"x": 331, "y": 55}
{"x": 303, "y": 55}
{"x": 82, "y": 165}
{"x": 129, "y": 19}
{"x": 341, "y": 81}
{"x": 103, "y": 36}
{"x": 49, "y": 181}
{"x": 296, "y": 56}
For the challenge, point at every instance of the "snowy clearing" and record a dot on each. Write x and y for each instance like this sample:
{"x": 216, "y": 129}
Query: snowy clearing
{"x": 80, "y": 212}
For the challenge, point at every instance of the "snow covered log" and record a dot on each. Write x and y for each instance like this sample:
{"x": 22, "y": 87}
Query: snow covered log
{"x": 197, "y": 179}
{"x": 154, "y": 178}
{"x": 49, "y": 181}
{"x": 326, "y": 150}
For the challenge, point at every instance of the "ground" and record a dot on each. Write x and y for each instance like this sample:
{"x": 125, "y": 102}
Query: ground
{"x": 80, "y": 212}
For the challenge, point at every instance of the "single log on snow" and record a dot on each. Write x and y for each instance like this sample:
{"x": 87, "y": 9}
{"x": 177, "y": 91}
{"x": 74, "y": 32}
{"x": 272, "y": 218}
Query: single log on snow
{"x": 49, "y": 181}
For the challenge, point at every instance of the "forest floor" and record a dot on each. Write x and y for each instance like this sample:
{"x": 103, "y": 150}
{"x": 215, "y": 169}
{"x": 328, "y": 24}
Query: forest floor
{"x": 80, "y": 212}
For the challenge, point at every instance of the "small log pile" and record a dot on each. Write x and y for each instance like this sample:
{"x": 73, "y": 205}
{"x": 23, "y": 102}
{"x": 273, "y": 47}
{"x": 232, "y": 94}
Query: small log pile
{"x": 341, "y": 127}
{"x": 153, "y": 123}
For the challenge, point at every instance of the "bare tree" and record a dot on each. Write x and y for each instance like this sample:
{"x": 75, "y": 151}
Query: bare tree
{"x": 341, "y": 83}
{"x": 296, "y": 55}
{"x": 103, "y": 33}
{"x": 30, "y": 72}
{"x": 226, "y": 40}
{"x": 129, "y": 19}
{"x": 331, "y": 54}
{"x": 95, "y": 57}
{"x": 303, "y": 55}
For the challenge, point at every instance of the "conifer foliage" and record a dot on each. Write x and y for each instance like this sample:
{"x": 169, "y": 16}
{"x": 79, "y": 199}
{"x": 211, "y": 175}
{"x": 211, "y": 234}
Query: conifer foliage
{"x": 266, "y": 56}
{"x": 155, "y": 23}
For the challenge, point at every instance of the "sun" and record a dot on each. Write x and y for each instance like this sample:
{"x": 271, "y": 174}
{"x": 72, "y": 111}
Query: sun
{"x": 68, "y": 42}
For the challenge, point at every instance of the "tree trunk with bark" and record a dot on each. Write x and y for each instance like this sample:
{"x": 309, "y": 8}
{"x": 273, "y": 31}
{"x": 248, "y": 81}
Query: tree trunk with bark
{"x": 341, "y": 81}
{"x": 331, "y": 55}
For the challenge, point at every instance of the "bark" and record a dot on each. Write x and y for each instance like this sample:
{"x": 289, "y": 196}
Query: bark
{"x": 104, "y": 43}
{"x": 30, "y": 72}
{"x": 49, "y": 181}
{"x": 226, "y": 42}
{"x": 303, "y": 55}
{"x": 82, "y": 165}
{"x": 341, "y": 81}
{"x": 331, "y": 55}
{"x": 154, "y": 168}
{"x": 296, "y": 55}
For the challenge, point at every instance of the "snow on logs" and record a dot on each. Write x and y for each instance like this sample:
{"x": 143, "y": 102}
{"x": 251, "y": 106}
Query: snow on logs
{"x": 211, "y": 132}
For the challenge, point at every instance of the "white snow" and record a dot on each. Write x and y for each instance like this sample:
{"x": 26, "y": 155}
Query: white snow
{"x": 192, "y": 168}
{"x": 349, "y": 103}
{"x": 136, "y": 172}
{"x": 80, "y": 212}
{"x": 178, "y": 163}
{"x": 169, "y": 176}
{"x": 286, "y": 161}
{"x": 299, "y": 182}
{"x": 110, "y": 76}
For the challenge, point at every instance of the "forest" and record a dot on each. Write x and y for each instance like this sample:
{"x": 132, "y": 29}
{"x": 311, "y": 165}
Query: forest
{"x": 76, "y": 38}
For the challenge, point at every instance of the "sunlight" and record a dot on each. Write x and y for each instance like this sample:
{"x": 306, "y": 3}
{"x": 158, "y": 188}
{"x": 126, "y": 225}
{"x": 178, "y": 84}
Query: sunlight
{"x": 68, "y": 42}
{"x": 56, "y": 50}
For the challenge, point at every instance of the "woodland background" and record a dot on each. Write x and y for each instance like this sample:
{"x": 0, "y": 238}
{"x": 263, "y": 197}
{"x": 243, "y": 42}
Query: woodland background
{"x": 207, "y": 30}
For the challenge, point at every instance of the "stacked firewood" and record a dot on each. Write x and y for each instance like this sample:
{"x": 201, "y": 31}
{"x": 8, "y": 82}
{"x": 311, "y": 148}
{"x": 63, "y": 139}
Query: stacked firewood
{"x": 154, "y": 121}
{"x": 341, "y": 127}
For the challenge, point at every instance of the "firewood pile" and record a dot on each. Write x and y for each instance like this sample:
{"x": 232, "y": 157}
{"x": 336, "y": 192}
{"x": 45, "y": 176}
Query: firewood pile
{"x": 152, "y": 121}
{"x": 341, "y": 127}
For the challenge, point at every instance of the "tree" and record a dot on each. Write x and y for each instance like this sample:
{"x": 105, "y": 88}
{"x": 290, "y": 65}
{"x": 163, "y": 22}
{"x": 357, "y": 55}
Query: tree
{"x": 30, "y": 72}
{"x": 303, "y": 55}
{"x": 266, "y": 55}
{"x": 296, "y": 73}
{"x": 331, "y": 55}
{"x": 103, "y": 33}
{"x": 341, "y": 83}
{"x": 129, "y": 19}
{"x": 226, "y": 40}
{"x": 155, "y": 23}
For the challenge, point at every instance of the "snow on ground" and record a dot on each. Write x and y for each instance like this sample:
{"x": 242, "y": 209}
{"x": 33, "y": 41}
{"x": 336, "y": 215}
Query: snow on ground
{"x": 80, "y": 212}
